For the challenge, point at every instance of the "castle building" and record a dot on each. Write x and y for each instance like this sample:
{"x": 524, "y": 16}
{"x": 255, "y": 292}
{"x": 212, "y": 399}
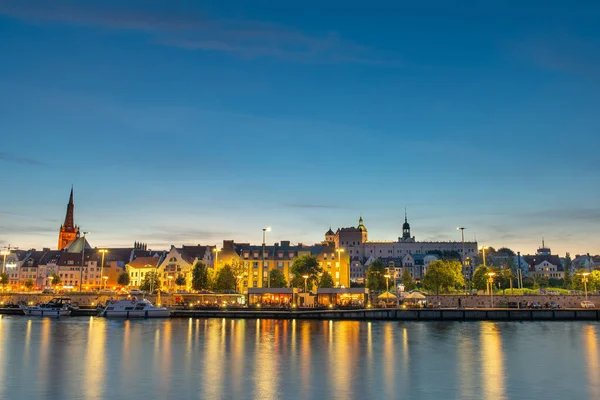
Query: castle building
{"x": 362, "y": 252}
{"x": 68, "y": 231}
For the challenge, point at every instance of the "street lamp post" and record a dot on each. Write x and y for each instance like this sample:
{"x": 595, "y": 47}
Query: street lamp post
{"x": 483, "y": 251}
{"x": 4, "y": 252}
{"x": 264, "y": 244}
{"x": 462, "y": 234}
{"x": 50, "y": 278}
{"x": 105, "y": 280}
{"x": 103, "y": 251}
{"x": 216, "y": 250}
{"x": 82, "y": 262}
{"x": 584, "y": 279}
{"x": 305, "y": 282}
{"x": 387, "y": 286}
{"x": 339, "y": 251}
{"x": 491, "y": 285}
{"x": 170, "y": 277}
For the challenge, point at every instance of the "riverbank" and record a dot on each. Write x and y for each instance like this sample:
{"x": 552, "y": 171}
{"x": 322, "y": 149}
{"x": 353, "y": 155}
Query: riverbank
{"x": 491, "y": 314}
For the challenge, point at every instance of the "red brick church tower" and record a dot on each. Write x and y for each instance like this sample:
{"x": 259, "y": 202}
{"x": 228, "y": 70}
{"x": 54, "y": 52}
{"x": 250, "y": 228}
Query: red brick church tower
{"x": 68, "y": 231}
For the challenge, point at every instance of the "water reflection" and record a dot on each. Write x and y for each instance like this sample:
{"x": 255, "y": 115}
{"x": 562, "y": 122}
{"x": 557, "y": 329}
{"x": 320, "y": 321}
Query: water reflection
{"x": 593, "y": 364}
{"x": 492, "y": 363}
{"x": 264, "y": 359}
{"x": 94, "y": 362}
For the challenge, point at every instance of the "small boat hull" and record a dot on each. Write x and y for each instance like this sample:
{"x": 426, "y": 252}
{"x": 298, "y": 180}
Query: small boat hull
{"x": 152, "y": 313}
{"x": 48, "y": 312}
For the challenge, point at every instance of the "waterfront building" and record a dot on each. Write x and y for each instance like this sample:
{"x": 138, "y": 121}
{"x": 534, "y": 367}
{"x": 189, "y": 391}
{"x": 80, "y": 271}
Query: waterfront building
{"x": 362, "y": 252}
{"x": 254, "y": 265}
{"x": 68, "y": 230}
{"x": 14, "y": 261}
{"x": 342, "y": 297}
{"x": 543, "y": 263}
{"x": 586, "y": 262}
{"x": 273, "y": 297}
{"x": 139, "y": 267}
{"x": 180, "y": 262}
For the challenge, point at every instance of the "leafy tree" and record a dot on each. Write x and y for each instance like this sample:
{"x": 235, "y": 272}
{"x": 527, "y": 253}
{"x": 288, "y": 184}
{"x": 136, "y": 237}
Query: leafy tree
{"x": 542, "y": 281}
{"x": 528, "y": 283}
{"x": 200, "y": 279}
{"x": 29, "y": 284}
{"x": 150, "y": 282}
{"x": 306, "y": 265}
{"x": 444, "y": 275}
{"x": 504, "y": 277}
{"x": 180, "y": 280}
{"x": 593, "y": 280}
{"x": 239, "y": 268}
{"x": 568, "y": 281}
{"x": 407, "y": 280}
{"x": 326, "y": 280}
{"x": 3, "y": 278}
{"x": 356, "y": 284}
{"x": 376, "y": 276}
{"x": 277, "y": 279}
{"x": 506, "y": 251}
{"x": 480, "y": 277}
{"x": 225, "y": 279}
{"x": 123, "y": 279}
{"x": 56, "y": 279}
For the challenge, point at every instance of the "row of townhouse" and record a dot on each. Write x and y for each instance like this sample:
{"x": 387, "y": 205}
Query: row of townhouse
{"x": 251, "y": 262}
{"x": 76, "y": 265}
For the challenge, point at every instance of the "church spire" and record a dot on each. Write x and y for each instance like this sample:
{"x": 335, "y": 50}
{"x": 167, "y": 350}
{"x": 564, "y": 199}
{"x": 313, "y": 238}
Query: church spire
{"x": 69, "y": 224}
{"x": 68, "y": 231}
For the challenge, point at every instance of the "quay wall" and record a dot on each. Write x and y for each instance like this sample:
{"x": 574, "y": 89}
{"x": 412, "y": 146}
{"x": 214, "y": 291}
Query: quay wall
{"x": 387, "y": 314}
{"x": 401, "y": 314}
{"x": 468, "y": 301}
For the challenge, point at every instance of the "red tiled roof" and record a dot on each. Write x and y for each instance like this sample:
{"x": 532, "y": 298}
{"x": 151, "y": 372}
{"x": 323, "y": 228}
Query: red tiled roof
{"x": 142, "y": 262}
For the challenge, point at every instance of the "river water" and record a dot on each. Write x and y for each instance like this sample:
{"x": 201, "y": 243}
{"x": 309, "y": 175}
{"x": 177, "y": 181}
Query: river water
{"x": 94, "y": 358}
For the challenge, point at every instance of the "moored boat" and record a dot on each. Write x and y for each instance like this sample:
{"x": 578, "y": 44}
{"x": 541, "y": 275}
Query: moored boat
{"x": 133, "y": 309}
{"x": 57, "y": 307}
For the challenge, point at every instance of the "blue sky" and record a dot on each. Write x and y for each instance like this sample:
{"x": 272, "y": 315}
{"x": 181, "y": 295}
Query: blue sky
{"x": 180, "y": 122}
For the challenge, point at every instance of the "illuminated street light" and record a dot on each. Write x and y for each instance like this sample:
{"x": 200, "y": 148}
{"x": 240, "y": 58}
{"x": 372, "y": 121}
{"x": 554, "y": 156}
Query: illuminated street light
{"x": 264, "y": 244}
{"x": 103, "y": 251}
{"x": 584, "y": 279}
{"x": 491, "y": 285}
{"x": 305, "y": 279}
{"x": 462, "y": 256}
{"x": 82, "y": 262}
{"x": 216, "y": 250}
{"x": 4, "y": 253}
{"x": 105, "y": 279}
{"x": 339, "y": 266}
{"x": 170, "y": 277}
{"x": 483, "y": 250}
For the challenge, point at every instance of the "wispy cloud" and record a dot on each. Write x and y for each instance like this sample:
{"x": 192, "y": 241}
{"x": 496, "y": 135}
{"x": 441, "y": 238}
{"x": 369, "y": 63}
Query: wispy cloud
{"x": 311, "y": 205}
{"x": 563, "y": 53}
{"x": 16, "y": 159}
{"x": 194, "y": 31}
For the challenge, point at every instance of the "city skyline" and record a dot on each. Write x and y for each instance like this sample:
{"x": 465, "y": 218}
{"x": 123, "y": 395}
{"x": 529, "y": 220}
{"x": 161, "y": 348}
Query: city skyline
{"x": 193, "y": 124}
{"x": 153, "y": 241}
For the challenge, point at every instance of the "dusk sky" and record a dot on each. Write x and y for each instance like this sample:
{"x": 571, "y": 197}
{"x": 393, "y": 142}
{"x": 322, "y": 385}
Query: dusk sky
{"x": 186, "y": 122}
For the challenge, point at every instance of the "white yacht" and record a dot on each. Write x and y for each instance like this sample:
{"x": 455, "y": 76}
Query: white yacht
{"x": 132, "y": 308}
{"x": 57, "y": 307}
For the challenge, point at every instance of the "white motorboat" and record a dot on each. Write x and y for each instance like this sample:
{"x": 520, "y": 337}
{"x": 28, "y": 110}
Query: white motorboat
{"x": 57, "y": 307}
{"x": 133, "y": 309}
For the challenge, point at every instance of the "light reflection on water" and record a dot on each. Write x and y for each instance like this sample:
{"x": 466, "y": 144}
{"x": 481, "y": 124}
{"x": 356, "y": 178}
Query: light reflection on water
{"x": 80, "y": 358}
